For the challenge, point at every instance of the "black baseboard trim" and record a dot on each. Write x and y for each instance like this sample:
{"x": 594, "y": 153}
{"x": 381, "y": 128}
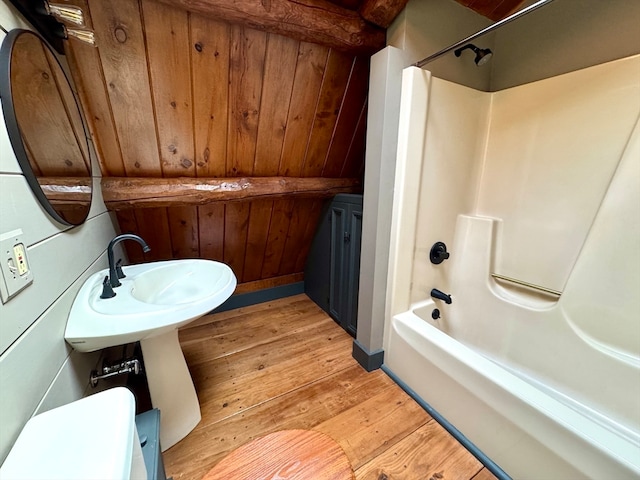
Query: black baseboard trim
{"x": 260, "y": 296}
{"x": 457, "y": 434}
{"x": 368, "y": 360}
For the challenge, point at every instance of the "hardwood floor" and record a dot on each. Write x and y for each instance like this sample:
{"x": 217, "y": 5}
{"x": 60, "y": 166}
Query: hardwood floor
{"x": 287, "y": 365}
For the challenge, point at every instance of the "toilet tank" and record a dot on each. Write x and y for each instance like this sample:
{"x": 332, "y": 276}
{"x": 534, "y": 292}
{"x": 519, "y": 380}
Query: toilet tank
{"x": 91, "y": 438}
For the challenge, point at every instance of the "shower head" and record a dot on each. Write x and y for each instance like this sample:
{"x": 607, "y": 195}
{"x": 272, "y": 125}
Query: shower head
{"x": 483, "y": 55}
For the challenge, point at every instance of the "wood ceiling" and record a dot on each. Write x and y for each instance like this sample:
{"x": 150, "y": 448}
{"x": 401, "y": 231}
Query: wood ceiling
{"x": 221, "y": 127}
{"x": 216, "y": 140}
{"x": 493, "y": 9}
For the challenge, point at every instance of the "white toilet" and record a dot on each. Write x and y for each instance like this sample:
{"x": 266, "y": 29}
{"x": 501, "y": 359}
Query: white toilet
{"x": 91, "y": 438}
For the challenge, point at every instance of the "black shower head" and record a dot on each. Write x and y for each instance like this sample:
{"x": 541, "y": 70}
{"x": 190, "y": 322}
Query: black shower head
{"x": 483, "y": 55}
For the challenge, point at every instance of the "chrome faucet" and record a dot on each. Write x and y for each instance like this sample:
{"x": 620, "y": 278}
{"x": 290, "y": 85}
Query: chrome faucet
{"x": 114, "y": 279}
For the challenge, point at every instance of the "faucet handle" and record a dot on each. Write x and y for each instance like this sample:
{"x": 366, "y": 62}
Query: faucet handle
{"x": 438, "y": 253}
{"x": 107, "y": 291}
{"x": 119, "y": 271}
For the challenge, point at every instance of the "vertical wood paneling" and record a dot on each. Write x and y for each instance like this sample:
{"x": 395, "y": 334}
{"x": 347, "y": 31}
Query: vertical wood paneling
{"x": 128, "y": 224}
{"x": 211, "y": 231}
{"x": 354, "y": 99}
{"x": 41, "y": 113}
{"x": 295, "y": 233}
{"x": 127, "y": 221}
{"x": 310, "y": 230}
{"x": 89, "y": 79}
{"x": 257, "y": 236}
{"x": 153, "y": 226}
{"x": 176, "y": 94}
{"x": 167, "y": 35}
{"x": 280, "y": 218}
{"x": 246, "y": 68}
{"x": 332, "y": 91}
{"x": 210, "y": 80}
{"x": 235, "y": 236}
{"x": 279, "y": 70}
{"x": 118, "y": 30}
{"x": 312, "y": 60}
{"x": 71, "y": 108}
{"x": 354, "y": 162}
{"x": 183, "y": 225}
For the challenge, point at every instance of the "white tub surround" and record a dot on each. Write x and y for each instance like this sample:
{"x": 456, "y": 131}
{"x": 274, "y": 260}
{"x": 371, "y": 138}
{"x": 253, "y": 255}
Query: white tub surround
{"x": 540, "y": 184}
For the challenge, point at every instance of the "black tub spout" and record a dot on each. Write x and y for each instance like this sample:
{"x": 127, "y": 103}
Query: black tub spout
{"x": 435, "y": 293}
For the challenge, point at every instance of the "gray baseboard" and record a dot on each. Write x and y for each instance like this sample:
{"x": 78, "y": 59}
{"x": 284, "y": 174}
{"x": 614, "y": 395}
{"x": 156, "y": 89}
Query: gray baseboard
{"x": 368, "y": 360}
{"x": 492, "y": 466}
{"x": 260, "y": 296}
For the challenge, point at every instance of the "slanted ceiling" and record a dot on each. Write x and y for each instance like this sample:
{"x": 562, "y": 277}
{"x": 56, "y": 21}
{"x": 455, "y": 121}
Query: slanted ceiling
{"x": 222, "y": 126}
{"x": 217, "y": 140}
{"x": 493, "y": 9}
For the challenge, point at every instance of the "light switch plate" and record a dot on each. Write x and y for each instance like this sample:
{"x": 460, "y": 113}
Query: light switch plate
{"x": 16, "y": 272}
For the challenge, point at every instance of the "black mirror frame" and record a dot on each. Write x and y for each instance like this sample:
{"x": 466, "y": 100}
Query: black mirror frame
{"x": 11, "y": 122}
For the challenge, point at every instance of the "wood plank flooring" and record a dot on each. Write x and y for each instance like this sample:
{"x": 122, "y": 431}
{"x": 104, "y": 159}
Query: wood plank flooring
{"x": 287, "y": 365}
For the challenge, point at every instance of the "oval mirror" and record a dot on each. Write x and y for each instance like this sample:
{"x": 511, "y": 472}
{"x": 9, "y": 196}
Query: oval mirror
{"x": 45, "y": 126}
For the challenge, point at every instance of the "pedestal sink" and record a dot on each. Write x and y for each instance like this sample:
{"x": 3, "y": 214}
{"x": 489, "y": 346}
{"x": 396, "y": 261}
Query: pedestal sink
{"x": 154, "y": 300}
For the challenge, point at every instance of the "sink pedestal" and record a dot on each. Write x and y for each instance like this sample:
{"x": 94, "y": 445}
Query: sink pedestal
{"x": 171, "y": 387}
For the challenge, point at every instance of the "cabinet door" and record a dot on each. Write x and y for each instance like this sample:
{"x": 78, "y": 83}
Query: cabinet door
{"x": 337, "y": 280}
{"x": 353, "y": 270}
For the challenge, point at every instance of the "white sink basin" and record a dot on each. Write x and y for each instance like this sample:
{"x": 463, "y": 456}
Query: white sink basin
{"x": 176, "y": 283}
{"x": 154, "y": 298}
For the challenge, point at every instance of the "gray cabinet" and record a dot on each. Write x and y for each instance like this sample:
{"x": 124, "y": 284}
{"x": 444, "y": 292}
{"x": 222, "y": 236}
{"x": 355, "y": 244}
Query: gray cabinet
{"x": 148, "y": 426}
{"x": 332, "y": 272}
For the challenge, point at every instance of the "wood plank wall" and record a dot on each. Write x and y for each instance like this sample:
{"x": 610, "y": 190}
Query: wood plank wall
{"x": 173, "y": 94}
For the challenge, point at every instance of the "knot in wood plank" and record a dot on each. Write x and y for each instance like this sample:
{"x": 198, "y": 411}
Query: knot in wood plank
{"x": 120, "y": 34}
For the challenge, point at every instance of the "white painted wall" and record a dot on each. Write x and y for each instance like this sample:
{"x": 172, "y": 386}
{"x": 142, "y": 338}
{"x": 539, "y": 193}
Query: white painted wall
{"x": 564, "y": 36}
{"x": 561, "y": 37}
{"x": 425, "y": 27}
{"x": 38, "y": 370}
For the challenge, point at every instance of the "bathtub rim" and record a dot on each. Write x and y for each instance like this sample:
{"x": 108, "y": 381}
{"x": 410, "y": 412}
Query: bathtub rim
{"x": 627, "y": 433}
{"x": 596, "y": 436}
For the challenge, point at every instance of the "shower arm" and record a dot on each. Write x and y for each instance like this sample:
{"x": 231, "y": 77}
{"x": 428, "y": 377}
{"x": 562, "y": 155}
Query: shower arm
{"x": 469, "y": 46}
{"x": 488, "y": 29}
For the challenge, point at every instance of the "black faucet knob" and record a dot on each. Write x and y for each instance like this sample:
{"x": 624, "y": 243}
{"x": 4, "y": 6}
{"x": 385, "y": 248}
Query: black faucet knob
{"x": 438, "y": 253}
{"x": 107, "y": 290}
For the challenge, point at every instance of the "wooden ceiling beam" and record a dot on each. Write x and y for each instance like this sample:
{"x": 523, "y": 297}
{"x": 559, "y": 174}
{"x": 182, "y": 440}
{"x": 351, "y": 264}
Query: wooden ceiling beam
{"x": 121, "y": 193}
{"x": 493, "y": 9}
{"x": 316, "y": 21}
{"x": 381, "y": 12}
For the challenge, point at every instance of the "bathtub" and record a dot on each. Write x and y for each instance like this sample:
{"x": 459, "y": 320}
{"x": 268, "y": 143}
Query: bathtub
{"x": 537, "y": 360}
{"x": 524, "y": 428}
{"x": 537, "y": 388}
